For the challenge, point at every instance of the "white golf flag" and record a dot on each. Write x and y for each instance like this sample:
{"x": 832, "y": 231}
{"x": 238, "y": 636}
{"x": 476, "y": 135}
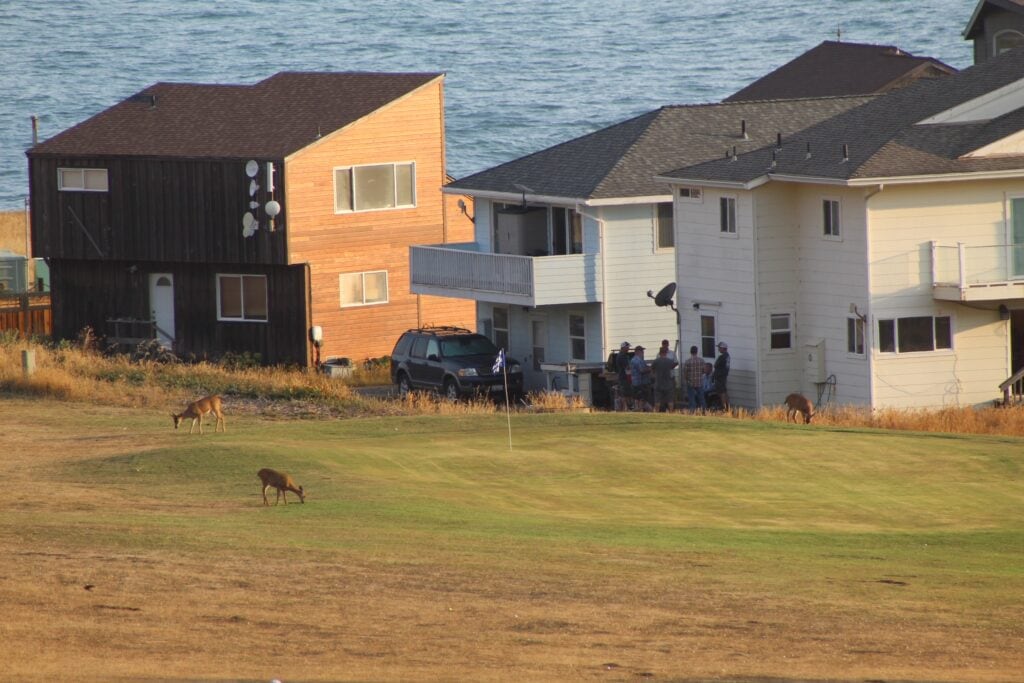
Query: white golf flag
{"x": 499, "y": 362}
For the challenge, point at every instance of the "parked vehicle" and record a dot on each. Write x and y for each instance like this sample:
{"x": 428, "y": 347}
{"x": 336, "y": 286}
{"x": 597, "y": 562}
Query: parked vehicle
{"x": 452, "y": 361}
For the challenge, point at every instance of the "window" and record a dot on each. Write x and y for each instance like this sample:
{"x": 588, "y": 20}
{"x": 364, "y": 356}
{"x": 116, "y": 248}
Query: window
{"x": 500, "y": 317}
{"x": 830, "y": 218}
{"x": 82, "y": 179}
{"x": 691, "y": 194}
{"x": 577, "y": 336}
{"x": 727, "y": 215}
{"x": 855, "y": 336}
{"x": 921, "y": 333}
{"x": 362, "y": 289}
{"x": 566, "y": 231}
{"x": 369, "y": 188}
{"x": 663, "y": 221}
{"x": 781, "y": 331}
{"x": 242, "y": 297}
{"x": 1007, "y": 40}
{"x": 707, "y": 336}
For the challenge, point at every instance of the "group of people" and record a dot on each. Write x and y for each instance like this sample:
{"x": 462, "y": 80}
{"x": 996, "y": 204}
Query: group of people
{"x": 643, "y": 386}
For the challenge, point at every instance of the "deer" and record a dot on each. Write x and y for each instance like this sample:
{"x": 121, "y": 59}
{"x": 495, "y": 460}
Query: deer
{"x": 798, "y": 403}
{"x": 280, "y": 481}
{"x": 197, "y": 409}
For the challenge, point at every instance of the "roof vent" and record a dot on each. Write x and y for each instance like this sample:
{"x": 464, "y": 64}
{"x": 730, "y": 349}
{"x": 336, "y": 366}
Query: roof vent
{"x": 808, "y": 154}
{"x": 144, "y": 98}
{"x": 743, "y": 129}
{"x": 846, "y": 152}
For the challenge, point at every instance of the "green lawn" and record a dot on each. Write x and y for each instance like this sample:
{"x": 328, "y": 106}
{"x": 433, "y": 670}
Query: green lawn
{"x": 893, "y": 525}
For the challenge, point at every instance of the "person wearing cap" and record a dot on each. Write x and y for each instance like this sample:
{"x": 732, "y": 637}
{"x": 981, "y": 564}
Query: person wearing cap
{"x": 640, "y": 374}
{"x": 721, "y": 374}
{"x": 622, "y": 370}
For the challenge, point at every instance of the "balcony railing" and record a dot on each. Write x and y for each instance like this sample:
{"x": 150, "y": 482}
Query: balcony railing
{"x": 977, "y": 273}
{"x": 462, "y": 270}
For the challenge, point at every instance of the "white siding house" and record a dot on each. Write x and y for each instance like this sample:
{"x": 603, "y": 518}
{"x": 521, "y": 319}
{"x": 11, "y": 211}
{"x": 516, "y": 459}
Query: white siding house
{"x": 878, "y": 257}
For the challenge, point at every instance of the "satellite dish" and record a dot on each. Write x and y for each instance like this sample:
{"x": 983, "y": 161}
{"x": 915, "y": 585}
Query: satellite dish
{"x": 253, "y": 187}
{"x": 249, "y": 225}
{"x": 664, "y": 297}
{"x": 254, "y": 205}
{"x": 252, "y": 168}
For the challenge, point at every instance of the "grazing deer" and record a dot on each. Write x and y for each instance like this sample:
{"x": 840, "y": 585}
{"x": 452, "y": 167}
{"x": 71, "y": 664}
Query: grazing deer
{"x": 280, "y": 481}
{"x": 798, "y": 403}
{"x": 197, "y": 409}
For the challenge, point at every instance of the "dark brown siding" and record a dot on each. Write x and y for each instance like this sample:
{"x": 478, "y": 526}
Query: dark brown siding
{"x": 179, "y": 210}
{"x": 92, "y": 293}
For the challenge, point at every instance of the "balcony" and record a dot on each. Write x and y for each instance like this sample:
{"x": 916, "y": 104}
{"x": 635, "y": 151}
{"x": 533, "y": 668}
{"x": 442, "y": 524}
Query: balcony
{"x": 463, "y": 271}
{"x": 989, "y": 273}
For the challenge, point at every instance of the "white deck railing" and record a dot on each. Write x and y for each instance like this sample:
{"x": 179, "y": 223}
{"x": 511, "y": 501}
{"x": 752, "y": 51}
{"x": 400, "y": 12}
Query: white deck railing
{"x": 964, "y": 266}
{"x": 460, "y": 266}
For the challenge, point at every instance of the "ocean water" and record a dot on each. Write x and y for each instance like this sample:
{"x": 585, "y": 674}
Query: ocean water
{"x": 521, "y": 75}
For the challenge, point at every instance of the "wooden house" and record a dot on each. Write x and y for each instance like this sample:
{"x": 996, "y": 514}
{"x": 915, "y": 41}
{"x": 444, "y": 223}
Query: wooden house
{"x": 242, "y": 218}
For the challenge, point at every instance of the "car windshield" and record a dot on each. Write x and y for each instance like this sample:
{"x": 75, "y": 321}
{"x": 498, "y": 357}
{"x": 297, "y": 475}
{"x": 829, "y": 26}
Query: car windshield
{"x": 468, "y": 346}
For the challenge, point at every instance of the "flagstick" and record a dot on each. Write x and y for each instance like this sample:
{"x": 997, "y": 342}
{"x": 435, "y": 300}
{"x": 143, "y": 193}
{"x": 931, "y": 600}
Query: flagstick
{"x": 508, "y": 413}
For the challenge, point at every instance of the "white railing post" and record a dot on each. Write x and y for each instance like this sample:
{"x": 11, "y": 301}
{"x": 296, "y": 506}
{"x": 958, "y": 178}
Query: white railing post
{"x": 962, "y": 253}
{"x": 935, "y": 263}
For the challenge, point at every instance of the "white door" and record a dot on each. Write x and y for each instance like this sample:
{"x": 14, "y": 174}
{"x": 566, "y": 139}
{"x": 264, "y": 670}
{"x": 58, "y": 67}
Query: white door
{"x": 161, "y": 305}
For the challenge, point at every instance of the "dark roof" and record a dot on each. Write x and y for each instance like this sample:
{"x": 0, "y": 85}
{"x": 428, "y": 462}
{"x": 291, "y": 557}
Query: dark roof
{"x": 622, "y": 160}
{"x": 882, "y": 138}
{"x": 984, "y": 7}
{"x": 834, "y": 69}
{"x": 269, "y": 119}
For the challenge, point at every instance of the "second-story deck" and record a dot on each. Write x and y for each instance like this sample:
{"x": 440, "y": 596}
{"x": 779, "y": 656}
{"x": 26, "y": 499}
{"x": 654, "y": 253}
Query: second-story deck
{"x": 464, "y": 271}
{"x": 987, "y": 273}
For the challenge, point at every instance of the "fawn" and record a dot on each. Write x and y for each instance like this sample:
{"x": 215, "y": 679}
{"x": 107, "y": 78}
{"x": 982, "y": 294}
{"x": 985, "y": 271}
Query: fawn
{"x": 798, "y": 403}
{"x": 280, "y": 481}
{"x": 197, "y": 409}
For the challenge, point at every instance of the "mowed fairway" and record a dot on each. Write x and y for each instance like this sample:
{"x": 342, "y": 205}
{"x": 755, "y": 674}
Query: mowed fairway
{"x": 606, "y": 547}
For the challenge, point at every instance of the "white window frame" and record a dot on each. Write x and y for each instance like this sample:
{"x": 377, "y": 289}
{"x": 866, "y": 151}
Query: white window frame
{"x": 573, "y": 221}
{"x": 691, "y": 194}
{"x": 856, "y": 332}
{"x": 354, "y": 200}
{"x": 999, "y": 34}
{"x": 896, "y": 335}
{"x": 790, "y": 329}
{"x": 66, "y": 176}
{"x": 362, "y": 285}
{"x": 832, "y": 225}
{"x": 495, "y": 328}
{"x": 723, "y": 202}
{"x": 583, "y": 318}
{"x": 656, "y": 211}
{"x": 242, "y": 277}
{"x": 713, "y": 316}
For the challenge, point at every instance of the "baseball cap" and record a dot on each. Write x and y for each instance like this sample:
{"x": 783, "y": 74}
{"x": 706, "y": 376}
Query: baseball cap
{"x": 624, "y": 345}
{"x": 638, "y": 348}
{"x": 722, "y": 345}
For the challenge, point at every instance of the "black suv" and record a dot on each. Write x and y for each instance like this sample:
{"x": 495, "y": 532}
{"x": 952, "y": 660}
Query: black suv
{"x": 453, "y": 361}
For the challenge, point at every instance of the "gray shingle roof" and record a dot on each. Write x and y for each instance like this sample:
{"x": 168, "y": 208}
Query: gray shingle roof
{"x": 833, "y": 69}
{"x": 623, "y": 159}
{"x": 272, "y": 118}
{"x": 881, "y": 136}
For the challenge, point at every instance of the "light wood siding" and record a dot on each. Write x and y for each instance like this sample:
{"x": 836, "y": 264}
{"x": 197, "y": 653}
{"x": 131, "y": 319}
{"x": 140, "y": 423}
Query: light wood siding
{"x": 632, "y": 267}
{"x": 903, "y": 220}
{"x": 408, "y": 129}
{"x": 717, "y": 269}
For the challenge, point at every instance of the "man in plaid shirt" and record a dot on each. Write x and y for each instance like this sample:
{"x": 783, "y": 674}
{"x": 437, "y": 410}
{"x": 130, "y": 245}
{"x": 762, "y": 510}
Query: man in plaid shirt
{"x": 693, "y": 376}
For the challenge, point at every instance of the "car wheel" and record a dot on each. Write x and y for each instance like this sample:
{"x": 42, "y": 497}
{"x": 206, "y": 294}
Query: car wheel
{"x": 404, "y": 387}
{"x": 451, "y": 390}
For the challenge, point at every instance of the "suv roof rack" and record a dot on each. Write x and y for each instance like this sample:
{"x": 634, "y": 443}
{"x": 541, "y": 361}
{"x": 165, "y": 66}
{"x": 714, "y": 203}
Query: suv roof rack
{"x": 436, "y": 329}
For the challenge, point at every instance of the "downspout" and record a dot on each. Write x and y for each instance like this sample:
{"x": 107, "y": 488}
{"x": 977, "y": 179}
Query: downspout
{"x": 758, "y": 387}
{"x": 601, "y": 250}
{"x": 869, "y": 341}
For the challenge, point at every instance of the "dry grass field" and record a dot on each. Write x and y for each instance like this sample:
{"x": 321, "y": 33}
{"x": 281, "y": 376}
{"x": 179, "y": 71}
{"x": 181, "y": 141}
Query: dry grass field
{"x": 602, "y": 547}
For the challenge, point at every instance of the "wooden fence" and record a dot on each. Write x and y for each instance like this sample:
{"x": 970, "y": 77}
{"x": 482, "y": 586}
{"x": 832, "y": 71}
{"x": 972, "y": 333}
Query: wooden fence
{"x": 30, "y": 314}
